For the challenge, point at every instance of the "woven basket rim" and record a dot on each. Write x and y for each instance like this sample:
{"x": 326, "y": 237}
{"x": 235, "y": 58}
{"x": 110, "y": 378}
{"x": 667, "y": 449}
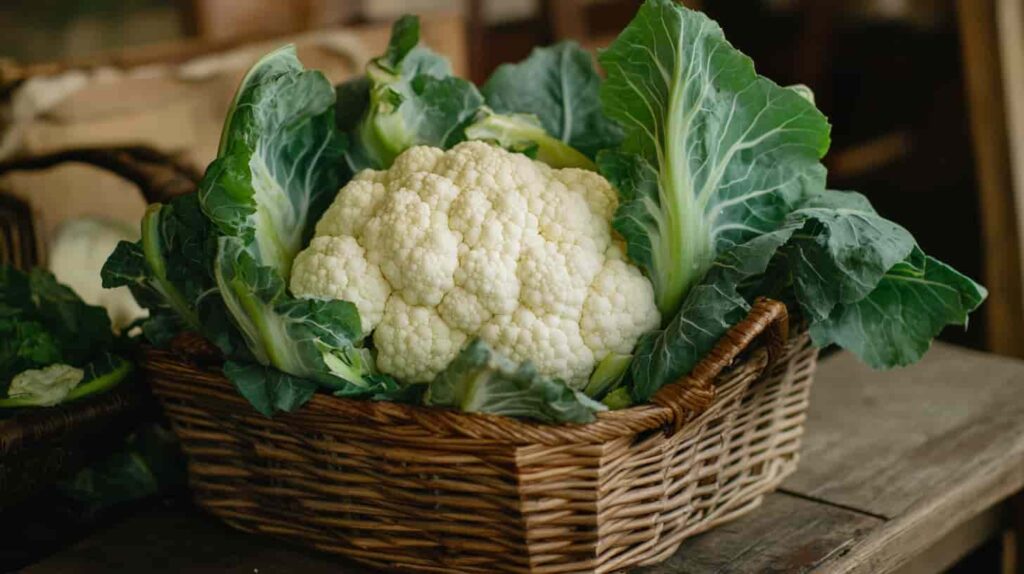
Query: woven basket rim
{"x": 39, "y": 424}
{"x": 449, "y": 422}
{"x": 763, "y": 332}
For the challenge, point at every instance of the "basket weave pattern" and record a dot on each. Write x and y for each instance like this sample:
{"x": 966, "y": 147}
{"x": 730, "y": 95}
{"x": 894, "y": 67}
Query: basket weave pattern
{"x": 413, "y": 488}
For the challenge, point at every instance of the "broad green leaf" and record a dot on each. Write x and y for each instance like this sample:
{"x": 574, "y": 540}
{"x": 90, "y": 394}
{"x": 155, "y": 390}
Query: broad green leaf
{"x": 405, "y": 34}
{"x": 24, "y": 344}
{"x": 438, "y": 110}
{"x": 169, "y": 272}
{"x": 303, "y": 338}
{"x": 159, "y": 256}
{"x": 408, "y": 98}
{"x": 731, "y": 150}
{"x": 269, "y": 390}
{"x": 841, "y": 253}
{"x": 479, "y": 380}
{"x": 895, "y": 323}
{"x": 278, "y": 166}
{"x": 710, "y": 309}
{"x": 559, "y": 85}
{"x": 834, "y": 254}
{"x": 82, "y": 331}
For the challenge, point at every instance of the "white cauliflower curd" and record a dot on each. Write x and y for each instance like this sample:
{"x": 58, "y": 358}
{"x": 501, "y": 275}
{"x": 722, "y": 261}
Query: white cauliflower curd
{"x": 481, "y": 242}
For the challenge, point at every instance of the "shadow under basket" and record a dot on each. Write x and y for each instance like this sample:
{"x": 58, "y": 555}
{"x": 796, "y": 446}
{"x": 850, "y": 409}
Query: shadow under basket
{"x": 406, "y": 487}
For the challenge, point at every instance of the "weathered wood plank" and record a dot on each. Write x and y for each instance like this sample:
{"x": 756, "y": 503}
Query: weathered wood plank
{"x": 786, "y": 534}
{"x": 897, "y": 541}
{"x": 953, "y": 547}
{"x": 929, "y": 448}
{"x": 883, "y": 442}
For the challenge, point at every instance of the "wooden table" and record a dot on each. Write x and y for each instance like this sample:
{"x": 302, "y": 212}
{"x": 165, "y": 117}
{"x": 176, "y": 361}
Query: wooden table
{"x": 902, "y": 471}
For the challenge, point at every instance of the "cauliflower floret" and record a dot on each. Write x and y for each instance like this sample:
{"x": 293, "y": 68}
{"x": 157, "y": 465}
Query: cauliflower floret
{"x": 619, "y": 308}
{"x": 477, "y": 241}
{"x": 352, "y": 209}
{"x": 599, "y": 194}
{"x": 491, "y": 277}
{"x": 414, "y": 247}
{"x": 553, "y": 343}
{"x": 336, "y": 268}
{"x": 550, "y": 282}
{"x": 414, "y": 343}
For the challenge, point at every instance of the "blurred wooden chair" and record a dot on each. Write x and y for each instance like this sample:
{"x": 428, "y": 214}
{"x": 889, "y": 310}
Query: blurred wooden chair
{"x": 992, "y": 41}
{"x": 17, "y": 236}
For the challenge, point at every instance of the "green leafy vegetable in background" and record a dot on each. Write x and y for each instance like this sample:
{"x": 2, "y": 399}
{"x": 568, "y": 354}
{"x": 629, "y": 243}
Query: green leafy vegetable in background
{"x": 82, "y": 331}
{"x": 481, "y": 381}
{"x": 24, "y": 344}
{"x": 102, "y": 374}
{"x": 148, "y": 462}
{"x": 60, "y": 383}
{"x": 559, "y": 86}
{"x": 53, "y": 347}
{"x": 42, "y": 387}
{"x": 43, "y": 322}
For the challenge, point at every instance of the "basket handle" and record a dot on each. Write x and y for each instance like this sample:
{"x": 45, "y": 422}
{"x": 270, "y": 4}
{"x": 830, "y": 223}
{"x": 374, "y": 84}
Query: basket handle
{"x": 768, "y": 321}
{"x": 157, "y": 175}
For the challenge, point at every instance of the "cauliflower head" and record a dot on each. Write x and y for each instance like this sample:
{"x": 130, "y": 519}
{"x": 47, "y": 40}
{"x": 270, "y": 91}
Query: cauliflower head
{"x": 477, "y": 241}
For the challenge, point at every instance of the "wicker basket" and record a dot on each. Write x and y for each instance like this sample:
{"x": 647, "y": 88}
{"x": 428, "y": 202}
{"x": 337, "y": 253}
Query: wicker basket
{"x": 38, "y": 446}
{"x": 411, "y": 488}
